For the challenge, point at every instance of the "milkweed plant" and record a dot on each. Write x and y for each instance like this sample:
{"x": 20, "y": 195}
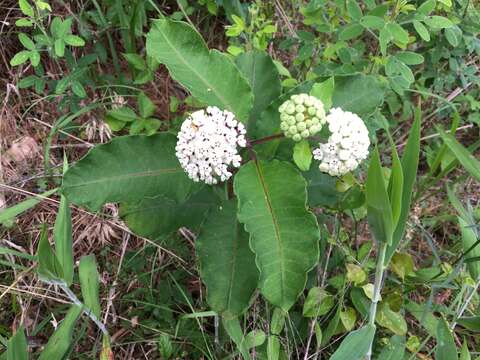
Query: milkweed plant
{"x": 250, "y": 173}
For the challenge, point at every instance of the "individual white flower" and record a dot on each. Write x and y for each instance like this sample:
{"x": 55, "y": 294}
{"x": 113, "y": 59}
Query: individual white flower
{"x": 301, "y": 116}
{"x": 347, "y": 145}
{"x": 207, "y": 144}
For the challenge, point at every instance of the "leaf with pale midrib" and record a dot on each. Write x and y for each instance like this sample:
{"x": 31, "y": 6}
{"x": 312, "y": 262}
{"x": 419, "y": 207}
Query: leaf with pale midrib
{"x": 227, "y": 265}
{"x": 283, "y": 233}
{"x": 128, "y": 169}
{"x": 262, "y": 75}
{"x": 210, "y": 76}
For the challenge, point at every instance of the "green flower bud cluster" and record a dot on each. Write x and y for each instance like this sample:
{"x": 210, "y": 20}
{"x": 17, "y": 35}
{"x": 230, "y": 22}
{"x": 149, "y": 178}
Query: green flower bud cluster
{"x": 301, "y": 116}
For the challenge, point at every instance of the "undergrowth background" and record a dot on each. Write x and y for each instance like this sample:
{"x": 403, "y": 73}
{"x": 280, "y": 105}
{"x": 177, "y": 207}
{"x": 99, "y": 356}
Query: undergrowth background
{"x": 153, "y": 301}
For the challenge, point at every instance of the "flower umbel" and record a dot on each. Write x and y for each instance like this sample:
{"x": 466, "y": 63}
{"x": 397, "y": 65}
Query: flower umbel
{"x": 301, "y": 116}
{"x": 347, "y": 145}
{"x": 207, "y": 144}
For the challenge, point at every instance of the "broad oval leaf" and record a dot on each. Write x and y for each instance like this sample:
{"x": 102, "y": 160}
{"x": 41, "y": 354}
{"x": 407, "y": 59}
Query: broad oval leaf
{"x": 227, "y": 265}
{"x": 356, "y": 345}
{"x": 210, "y": 76}
{"x": 157, "y": 217}
{"x": 262, "y": 75}
{"x": 284, "y": 235}
{"x": 128, "y": 169}
{"x": 360, "y": 94}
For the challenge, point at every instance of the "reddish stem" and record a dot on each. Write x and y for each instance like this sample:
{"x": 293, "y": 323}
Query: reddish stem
{"x": 266, "y": 139}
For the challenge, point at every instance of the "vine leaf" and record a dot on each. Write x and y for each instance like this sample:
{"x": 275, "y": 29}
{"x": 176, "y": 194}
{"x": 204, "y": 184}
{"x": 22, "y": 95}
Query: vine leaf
{"x": 227, "y": 265}
{"x": 283, "y": 233}
{"x": 209, "y": 75}
{"x": 128, "y": 169}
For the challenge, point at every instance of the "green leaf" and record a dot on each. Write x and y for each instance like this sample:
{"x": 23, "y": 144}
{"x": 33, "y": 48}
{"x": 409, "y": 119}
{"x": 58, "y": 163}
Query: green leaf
{"x": 356, "y": 274}
{"x": 26, "y": 41}
{"x": 24, "y": 23}
{"x": 409, "y": 57}
{"x": 379, "y": 210}
{"x": 59, "y": 47}
{"x": 113, "y": 172}
{"x": 464, "y": 353}
{"x": 277, "y": 323}
{"x": 233, "y": 329}
{"x": 17, "y": 347}
{"x": 73, "y": 40}
{"x": 372, "y": 22}
{"x": 395, "y": 186}
{"x": 15, "y": 210}
{"x": 273, "y": 347}
{"x": 123, "y": 113}
{"x": 26, "y": 82}
{"x": 348, "y": 318}
{"x": 402, "y": 265}
{"x": 324, "y": 92}
{"x": 318, "y": 302}
{"x": 355, "y": 345}
{"x": 146, "y": 107}
{"x": 78, "y": 89}
{"x": 421, "y": 30}
{"x": 453, "y": 35}
{"x": 262, "y": 75}
{"x": 332, "y": 325}
{"x": 391, "y": 320}
{"x": 469, "y": 243}
{"x": 49, "y": 268}
{"x": 284, "y": 235}
{"x": 360, "y": 94}
{"x": 350, "y": 31}
{"x": 34, "y": 58}
{"x": 394, "y": 350}
{"x": 446, "y": 349}
{"x": 26, "y": 8}
{"x": 427, "y": 7}
{"x": 136, "y": 61}
{"x": 465, "y": 157}
{"x": 89, "y": 283}
{"x": 302, "y": 155}
{"x": 398, "y": 33}
{"x": 209, "y": 75}
{"x": 20, "y": 57}
{"x": 438, "y": 22}
{"x": 354, "y": 9}
{"x": 157, "y": 217}
{"x": 384, "y": 39}
{"x": 60, "y": 342}
{"x": 227, "y": 265}
{"x": 410, "y": 160}
{"x": 62, "y": 234}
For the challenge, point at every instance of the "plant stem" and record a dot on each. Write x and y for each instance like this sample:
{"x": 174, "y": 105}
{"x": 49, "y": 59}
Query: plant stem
{"x": 377, "y": 289}
{"x": 266, "y": 139}
{"x": 73, "y": 298}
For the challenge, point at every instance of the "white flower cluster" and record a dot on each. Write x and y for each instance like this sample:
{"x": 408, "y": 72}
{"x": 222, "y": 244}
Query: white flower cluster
{"x": 207, "y": 144}
{"x": 347, "y": 145}
{"x": 301, "y": 116}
